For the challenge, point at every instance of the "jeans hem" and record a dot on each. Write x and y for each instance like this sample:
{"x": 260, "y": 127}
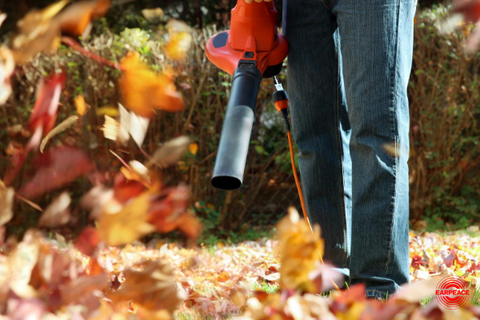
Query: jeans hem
{"x": 373, "y": 293}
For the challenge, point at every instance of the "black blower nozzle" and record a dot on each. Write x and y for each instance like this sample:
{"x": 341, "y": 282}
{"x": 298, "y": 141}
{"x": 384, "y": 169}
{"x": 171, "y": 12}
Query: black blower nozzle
{"x": 237, "y": 127}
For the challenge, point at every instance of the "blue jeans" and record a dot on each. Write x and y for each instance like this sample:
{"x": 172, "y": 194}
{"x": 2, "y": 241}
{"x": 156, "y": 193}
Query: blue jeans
{"x": 348, "y": 70}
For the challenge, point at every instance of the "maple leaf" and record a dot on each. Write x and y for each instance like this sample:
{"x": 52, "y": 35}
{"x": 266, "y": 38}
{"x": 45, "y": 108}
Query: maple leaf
{"x": 42, "y": 119}
{"x": 170, "y": 152}
{"x": 40, "y": 30}
{"x": 76, "y": 18}
{"x": 44, "y": 114}
{"x": 143, "y": 91}
{"x": 56, "y": 168}
{"x": 153, "y": 288}
{"x": 169, "y": 213}
{"x": 128, "y": 224}
{"x": 87, "y": 241}
{"x": 300, "y": 250}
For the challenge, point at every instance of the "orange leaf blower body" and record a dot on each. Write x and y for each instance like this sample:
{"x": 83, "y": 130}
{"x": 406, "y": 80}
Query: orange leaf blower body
{"x": 251, "y": 50}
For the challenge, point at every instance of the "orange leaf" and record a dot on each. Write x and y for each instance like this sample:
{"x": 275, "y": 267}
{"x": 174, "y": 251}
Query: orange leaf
{"x": 127, "y": 225}
{"x": 193, "y": 148}
{"x": 143, "y": 90}
{"x": 75, "y": 18}
{"x": 178, "y": 45}
{"x": 153, "y": 288}
{"x": 80, "y": 105}
{"x": 87, "y": 241}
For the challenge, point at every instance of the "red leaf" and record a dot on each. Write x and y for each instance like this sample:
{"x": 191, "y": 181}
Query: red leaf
{"x": 470, "y": 9}
{"x": 448, "y": 260}
{"x": 44, "y": 113}
{"x": 88, "y": 241}
{"x": 57, "y": 168}
{"x": 125, "y": 190}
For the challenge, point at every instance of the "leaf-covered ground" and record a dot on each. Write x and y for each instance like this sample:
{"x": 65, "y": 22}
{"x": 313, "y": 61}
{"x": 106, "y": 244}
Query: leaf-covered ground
{"x": 219, "y": 279}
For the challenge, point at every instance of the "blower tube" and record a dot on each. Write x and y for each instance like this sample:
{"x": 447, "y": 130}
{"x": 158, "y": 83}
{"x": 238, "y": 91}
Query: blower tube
{"x": 237, "y": 127}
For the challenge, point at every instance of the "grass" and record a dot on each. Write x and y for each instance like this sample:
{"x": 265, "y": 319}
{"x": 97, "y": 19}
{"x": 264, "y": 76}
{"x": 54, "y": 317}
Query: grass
{"x": 266, "y": 287}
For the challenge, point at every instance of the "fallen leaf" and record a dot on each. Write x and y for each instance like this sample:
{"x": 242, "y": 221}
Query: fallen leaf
{"x": 418, "y": 291}
{"x": 76, "y": 18}
{"x": 137, "y": 172}
{"x": 110, "y": 128}
{"x": 153, "y": 288}
{"x": 127, "y": 225}
{"x": 57, "y": 213}
{"x": 40, "y": 30}
{"x": 82, "y": 286}
{"x": 67, "y": 123}
{"x": 300, "y": 250}
{"x": 37, "y": 32}
{"x": 80, "y": 105}
{"x": 87, "y": 241}
{"x": 170, "y": 152}
{"x": 42, "y": 119}
{"x": 44, "y": 114}
{"x": 6, "y": 203}
{"x": 178, "y": 45}
{"x": 7, "y": 66}
{"x": 56, "y": 168}
{"x": 143, "y": 91}
{"x": 193, "y": 148}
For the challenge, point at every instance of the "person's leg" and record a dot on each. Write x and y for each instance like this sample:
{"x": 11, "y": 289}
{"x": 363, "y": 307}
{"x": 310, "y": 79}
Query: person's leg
{"x": 318, "y": 109}
{"x": 377, "y": 44}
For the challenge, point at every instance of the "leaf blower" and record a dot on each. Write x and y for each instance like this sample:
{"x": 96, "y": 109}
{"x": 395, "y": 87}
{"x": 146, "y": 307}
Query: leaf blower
{"x": 251, "y": 50}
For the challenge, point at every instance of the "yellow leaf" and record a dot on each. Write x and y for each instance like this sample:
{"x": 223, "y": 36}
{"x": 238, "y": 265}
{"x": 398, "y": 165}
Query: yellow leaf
{"x": 6, "y": 203}
{"x": 128, "y": 225}
{"x": 178, "y": 45}
{"x": 300, "y": 250}
{"x": 353, "y": 312}
{"x": 143, "y": 91}
{"x": 80, "y": 105}
{"x": 193, "y": 148}
{"x": 108, "y": 111}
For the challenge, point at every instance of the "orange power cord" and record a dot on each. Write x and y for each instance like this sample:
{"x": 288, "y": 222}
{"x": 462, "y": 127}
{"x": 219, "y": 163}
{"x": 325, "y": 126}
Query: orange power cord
{"x": 297, "y": 181}
{"x": 281, "y": 104}
{"x": 280, "y": 100}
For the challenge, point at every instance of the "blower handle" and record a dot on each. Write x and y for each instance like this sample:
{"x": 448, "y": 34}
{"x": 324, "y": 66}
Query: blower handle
{"x": 237, "y": 127}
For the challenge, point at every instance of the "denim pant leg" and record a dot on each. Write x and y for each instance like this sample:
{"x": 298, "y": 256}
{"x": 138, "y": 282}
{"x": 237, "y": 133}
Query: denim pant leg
{"x": 320, "y": 123}
{"x": 377, "y": 45}
{"x": 376, "y": 42}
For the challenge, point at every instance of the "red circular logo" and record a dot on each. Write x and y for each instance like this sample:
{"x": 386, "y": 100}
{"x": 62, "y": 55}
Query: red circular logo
{"x": 452, "y": 292}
